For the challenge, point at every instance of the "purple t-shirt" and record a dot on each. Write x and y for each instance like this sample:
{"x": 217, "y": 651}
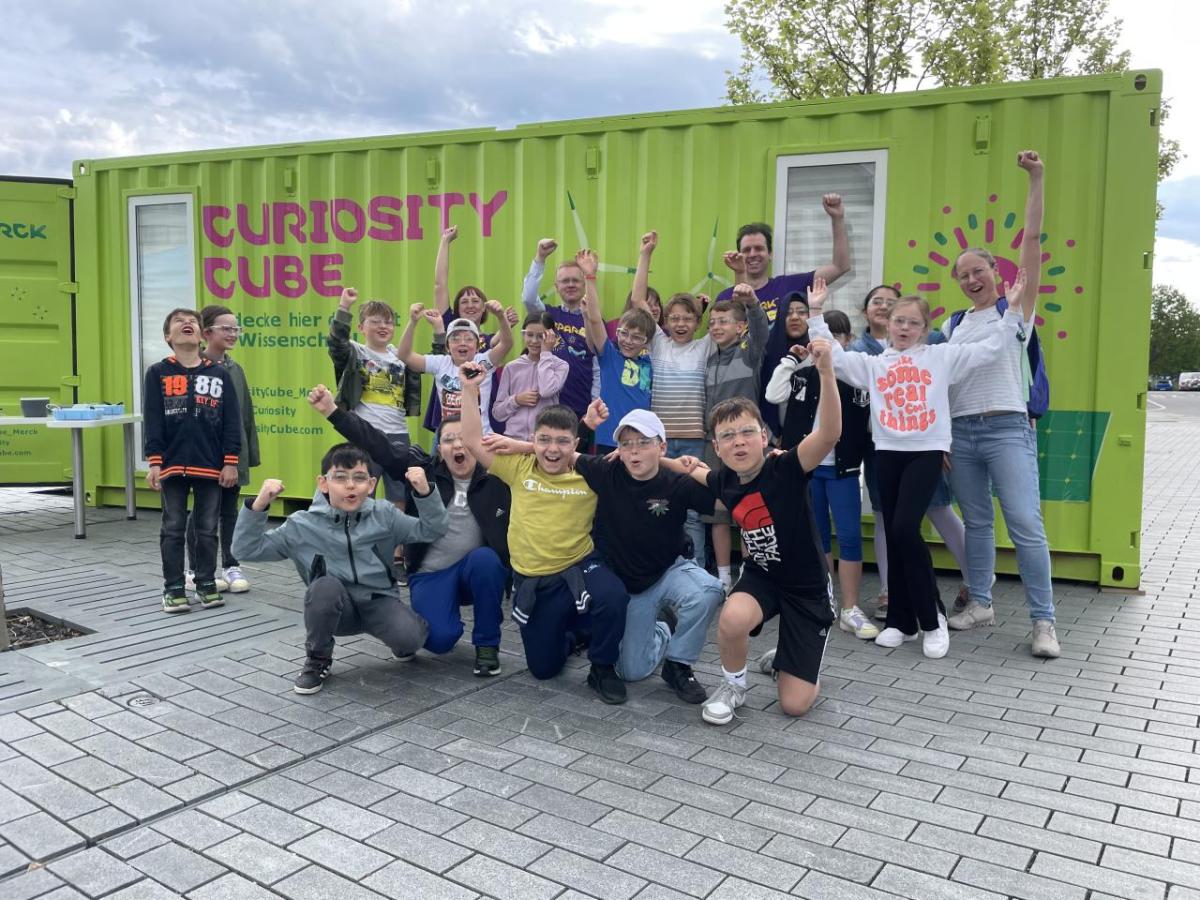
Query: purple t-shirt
{"x": 776, "y": 288}
{"x": 577, "y": 392}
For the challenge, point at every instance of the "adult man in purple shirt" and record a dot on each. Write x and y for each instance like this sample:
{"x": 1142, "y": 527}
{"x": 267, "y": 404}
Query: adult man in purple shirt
{"x": 569, "y": 284}
{"x": 751, "y": 264}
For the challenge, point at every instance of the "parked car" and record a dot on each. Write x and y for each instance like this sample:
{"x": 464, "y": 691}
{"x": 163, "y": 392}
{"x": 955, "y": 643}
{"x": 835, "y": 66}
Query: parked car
{"x": 1189, "y": 381}
{"x": 1161, "y": 383}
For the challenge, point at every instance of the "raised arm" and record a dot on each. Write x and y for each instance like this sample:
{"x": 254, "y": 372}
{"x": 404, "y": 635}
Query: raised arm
{"x": 502, "y": 343}
{"x": 533, "y": 278}
{"x": 404, "y": 350}
{"x": 779, "y": 388}
{"x": 840, "y": 264}
{"x": 964, "y": 358}
{"x": 339, "y": 332}
{"x": 1031, "y": 243}
{"x": 433, "y": 520}
{"x": 593, "y": 322}
{"x": 828, "y": 431}
{"x": 851, "y": 366}
{"x": 251, "y": 538}
{"x": 358, "y": 431}
{"x": 551, "y": 371}
{"x": 641, "y": 277}
{"x": 441, "y": 270}
{"x": 471, "y": 431}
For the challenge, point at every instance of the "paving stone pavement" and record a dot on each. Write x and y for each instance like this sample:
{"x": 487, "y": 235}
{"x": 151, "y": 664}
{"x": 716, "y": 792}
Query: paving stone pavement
{"x": 986, "y": 774}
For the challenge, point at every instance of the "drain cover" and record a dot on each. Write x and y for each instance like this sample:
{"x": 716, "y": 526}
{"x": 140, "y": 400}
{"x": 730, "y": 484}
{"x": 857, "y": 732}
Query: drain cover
{"x": 141, "y": 701}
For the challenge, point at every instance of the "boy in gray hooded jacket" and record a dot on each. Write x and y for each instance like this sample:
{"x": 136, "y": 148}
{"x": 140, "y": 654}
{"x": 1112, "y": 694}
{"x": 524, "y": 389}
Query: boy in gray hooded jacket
{"x": 342, "y": 547}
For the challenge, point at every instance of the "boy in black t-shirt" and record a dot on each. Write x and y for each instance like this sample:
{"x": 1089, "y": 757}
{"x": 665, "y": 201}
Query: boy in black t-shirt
{"x": 785, "y": 573}
{"x": 643, "y": 505}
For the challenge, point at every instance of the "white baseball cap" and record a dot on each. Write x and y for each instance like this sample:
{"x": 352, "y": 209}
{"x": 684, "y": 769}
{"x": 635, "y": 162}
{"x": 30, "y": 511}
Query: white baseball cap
{"x": 462, "y": 325}
{"x": 644, "y": 421}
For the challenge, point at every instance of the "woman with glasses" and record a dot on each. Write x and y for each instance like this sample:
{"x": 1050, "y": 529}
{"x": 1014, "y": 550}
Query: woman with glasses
{"x": 532, "y": 381}
{"x": 909, "y": 385}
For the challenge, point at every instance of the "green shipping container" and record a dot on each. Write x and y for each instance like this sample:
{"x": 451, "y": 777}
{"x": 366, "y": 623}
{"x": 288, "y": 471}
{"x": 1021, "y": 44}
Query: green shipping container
{"x": 276, "y": 232}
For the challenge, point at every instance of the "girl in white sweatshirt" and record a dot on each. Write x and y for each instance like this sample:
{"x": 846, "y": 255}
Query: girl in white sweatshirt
{"x": 910, "y": 410}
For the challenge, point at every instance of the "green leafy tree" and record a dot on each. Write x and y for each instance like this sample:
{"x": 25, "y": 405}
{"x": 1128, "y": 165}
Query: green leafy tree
{"x": 1174, "y": 333}
{"x": 808, "y": 49}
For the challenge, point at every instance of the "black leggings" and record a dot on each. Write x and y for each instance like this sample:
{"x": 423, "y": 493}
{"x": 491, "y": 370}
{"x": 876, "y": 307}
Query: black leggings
{"x": 906, "y": 484}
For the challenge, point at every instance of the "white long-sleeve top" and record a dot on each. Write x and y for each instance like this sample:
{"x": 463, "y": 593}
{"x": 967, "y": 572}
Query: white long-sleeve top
{"x": 910, "y": 389}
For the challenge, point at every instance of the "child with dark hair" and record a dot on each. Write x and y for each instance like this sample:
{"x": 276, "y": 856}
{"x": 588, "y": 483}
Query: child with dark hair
{"x": 795, "y": 388}
{"x": 532, "y": 381}
{"x": 220, "y": 329}
{"x": 563, "y": 592}
{"x": 342, "y": 547}
{"x": 192, "y": 437}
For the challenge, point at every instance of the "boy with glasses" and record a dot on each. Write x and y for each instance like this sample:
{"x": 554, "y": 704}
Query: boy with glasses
{"x": 371, "y": 377}
{"x": 341, "y": 546}
{"x": 564, "y": 595}
{"x": 625, "y": 368}
{"x": 532, "y": 381}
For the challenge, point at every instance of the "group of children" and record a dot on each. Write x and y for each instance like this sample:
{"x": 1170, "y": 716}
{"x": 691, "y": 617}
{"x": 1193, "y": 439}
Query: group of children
{"x": 620, "y": 442}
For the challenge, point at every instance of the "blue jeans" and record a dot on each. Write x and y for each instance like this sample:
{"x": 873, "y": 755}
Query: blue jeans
{"x": 842, "y": 497}
{"x": 478, "y": 578}
{"x": 677, "y": 447}
{"x": 694, "y": 595}
{"x": 1001, "y": 452}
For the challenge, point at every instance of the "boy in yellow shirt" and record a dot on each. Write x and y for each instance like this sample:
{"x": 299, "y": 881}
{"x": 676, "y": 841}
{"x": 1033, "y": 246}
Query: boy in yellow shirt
{"x": 563, "y": 593}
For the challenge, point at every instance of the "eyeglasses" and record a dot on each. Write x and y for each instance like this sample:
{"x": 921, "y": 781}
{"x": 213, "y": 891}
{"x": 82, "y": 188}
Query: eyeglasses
{"x": 907, "y": 323}
{"x": 681, "y": 320}
{"x": 533, "y": 336}
{"x": 633, "y": 337}
{"x": 463, "y": 336}
{"x": 639, "y": 443}
{"x": 344, "y": 478}
{"x": 881, "y": 301}
{"x": 746, "y": 433}
{"x": 802, "y": 313}
{"x": 722, "y": 322}
{"x": 378, "y": 323}
{"x": 450, "y": 437}
{"x": 570, "y": 281}
{"x": 545, "y": 440}
{"x": 227, "y": 329}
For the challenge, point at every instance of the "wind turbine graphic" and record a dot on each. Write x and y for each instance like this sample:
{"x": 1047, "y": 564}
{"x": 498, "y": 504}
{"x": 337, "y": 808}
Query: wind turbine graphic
{"x": 712, "y": 276}
{"x": 581, "y": 236}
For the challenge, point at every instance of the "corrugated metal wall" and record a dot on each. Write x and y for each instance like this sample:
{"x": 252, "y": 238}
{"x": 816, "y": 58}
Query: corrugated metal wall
{"x": 952, "y": 179}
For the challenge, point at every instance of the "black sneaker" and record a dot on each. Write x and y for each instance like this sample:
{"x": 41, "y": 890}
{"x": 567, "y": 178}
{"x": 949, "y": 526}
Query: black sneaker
{"x": 679, "y": 676}
{"x": 487, "y": 661}
{"x": 668, "y": 616}
{"x": 605, "y": 681}
{"x": 312, "y": 677}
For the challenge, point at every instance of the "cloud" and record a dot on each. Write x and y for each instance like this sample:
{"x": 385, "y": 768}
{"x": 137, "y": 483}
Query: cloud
{"x": 1180, "y": 198}
{"x": 109, "y": 79}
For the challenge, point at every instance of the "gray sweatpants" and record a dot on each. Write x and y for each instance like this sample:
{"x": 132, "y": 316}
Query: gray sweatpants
{"x": 330, "y": 611}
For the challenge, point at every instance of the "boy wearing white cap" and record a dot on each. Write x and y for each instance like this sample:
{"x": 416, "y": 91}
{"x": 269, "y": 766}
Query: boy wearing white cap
{"x": 462, "y": 346}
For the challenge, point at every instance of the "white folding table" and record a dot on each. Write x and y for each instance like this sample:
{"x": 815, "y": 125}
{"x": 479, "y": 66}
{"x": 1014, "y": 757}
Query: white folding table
{"x": 77, "y": 427}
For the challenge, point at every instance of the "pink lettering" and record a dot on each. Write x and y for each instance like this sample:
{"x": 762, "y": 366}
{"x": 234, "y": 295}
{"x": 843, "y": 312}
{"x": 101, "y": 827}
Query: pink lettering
{"x": 319, "y": 210}
{"x": 380, "y": 211}
{"x": 289, "y": 276}
{"x": 360, "y": 221}
{"x": 247, "y": 283}
{"x": 446, "y": 202}
{"x": 413, "y": 204}
{"x": 248, "y": 233}
{"x": 213, "y": 265}
{"x": 487, "y": 211}
{"x": 209, "y": 216}
{"x": 280, "y": 213}
{"x": 326, "y": 279}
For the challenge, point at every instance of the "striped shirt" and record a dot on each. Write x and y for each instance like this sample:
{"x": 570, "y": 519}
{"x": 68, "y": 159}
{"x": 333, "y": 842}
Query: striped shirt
{"x": 678, "y": 393}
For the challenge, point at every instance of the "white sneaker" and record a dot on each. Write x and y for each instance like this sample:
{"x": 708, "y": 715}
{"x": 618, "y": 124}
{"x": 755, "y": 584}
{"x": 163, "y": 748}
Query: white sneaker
{"x": 1045, "y": 641}
{"x": 235, "y": 581}
{"x": 189, "y": 580}
{"x": 718, "y": 709}
{"x": 854, "y": 621}
{"x": 766, "y": 662}
{"x": 893, "y": 637}
{"x": 974, "y": 615}
{"x": 221, "y": 582}
{"x": 937, "y": 642}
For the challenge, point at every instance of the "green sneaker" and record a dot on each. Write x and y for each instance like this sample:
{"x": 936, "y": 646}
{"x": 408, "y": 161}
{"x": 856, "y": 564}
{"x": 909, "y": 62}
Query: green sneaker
{"x": 487, "y": 661}
{"x": 175, "y": 601}
{"x": 209, "y": 596}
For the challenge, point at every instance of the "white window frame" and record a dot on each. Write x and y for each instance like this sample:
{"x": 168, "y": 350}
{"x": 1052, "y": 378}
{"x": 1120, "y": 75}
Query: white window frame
{"x": 133, "y": 204}
{"x": 785, "y": 163}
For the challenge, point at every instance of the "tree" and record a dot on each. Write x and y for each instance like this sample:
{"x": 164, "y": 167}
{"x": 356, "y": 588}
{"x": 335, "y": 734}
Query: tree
{"x": 1174, "y": 333}
{"x": 808, "y": 49}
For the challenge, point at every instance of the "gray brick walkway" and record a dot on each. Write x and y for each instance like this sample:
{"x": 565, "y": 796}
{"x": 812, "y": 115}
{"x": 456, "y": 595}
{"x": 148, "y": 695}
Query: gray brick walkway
{"x": 982, "y": 775}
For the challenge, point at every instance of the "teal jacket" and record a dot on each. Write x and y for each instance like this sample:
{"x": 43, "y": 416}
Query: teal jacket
{"x": 355, "y": 548}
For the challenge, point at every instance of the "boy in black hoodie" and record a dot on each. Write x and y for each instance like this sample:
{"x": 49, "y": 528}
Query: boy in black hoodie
{"x": 192, "y": 430}
{"x": 466, "y": 565}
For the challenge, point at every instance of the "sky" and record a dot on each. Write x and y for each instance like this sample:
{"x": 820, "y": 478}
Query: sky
{"x": 91, "y": 80}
